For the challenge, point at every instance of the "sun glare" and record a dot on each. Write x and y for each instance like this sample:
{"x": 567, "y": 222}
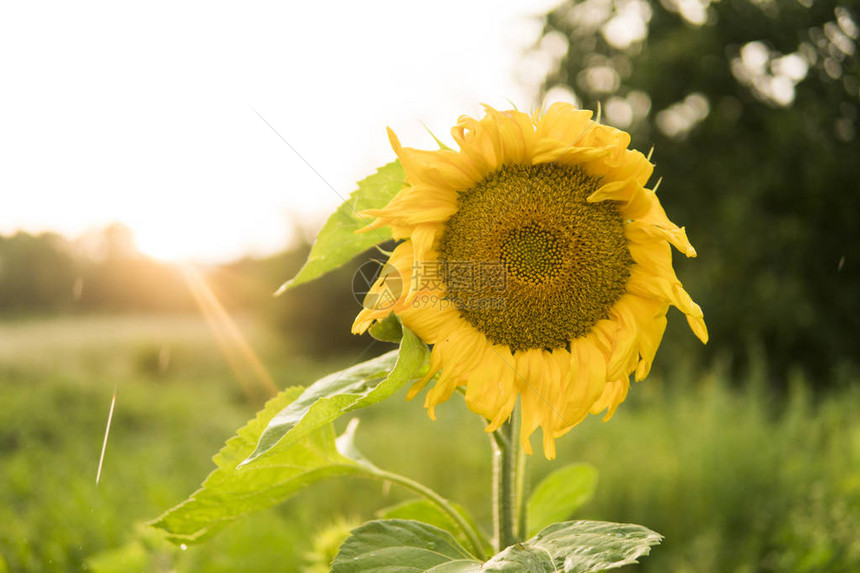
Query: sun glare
{"x": 217, "y": 238}
{"x": 166, "y": 245}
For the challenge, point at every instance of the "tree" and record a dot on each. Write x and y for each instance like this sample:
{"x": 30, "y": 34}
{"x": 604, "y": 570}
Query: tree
{"x": 752, "y": 108}
{"x": 37, "y": 273}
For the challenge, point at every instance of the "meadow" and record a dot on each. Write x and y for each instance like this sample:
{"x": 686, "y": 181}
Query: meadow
{"x": 736, "y": 477}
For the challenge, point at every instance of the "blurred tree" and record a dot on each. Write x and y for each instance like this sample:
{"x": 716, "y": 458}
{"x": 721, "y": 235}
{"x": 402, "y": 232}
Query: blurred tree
{"x": 45, "y": 274}
{"x": 37, "y": 272}
{"x": 117, "y": 277}
{"x": 752, "y": 107}
{"x": 316, "y": 317}
{"x": 104, "y": 272}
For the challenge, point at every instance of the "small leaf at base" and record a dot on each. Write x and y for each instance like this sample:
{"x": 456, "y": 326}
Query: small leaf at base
{"x": 559, "y": 494}
{"x": 424, "y": 511}
{"x": 576, "y": 547}
{"x": 402, "y": 546}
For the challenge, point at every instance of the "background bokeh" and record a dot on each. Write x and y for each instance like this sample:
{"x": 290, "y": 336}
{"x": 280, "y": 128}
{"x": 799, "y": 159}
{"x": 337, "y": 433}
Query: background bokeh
{"x": 745, "y": 453}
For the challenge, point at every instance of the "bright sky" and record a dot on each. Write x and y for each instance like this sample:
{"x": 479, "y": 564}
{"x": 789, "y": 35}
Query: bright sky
{"x": 144, "y": 113}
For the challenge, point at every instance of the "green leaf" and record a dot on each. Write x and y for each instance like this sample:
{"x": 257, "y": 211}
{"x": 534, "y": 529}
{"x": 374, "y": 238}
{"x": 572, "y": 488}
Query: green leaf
{"x": 337, "y": 242}
{"x": 336, "y": 394}
{"x": 560, "y": 494}
{"x": 439, "y": 142}
{"x": 388, "y": 329}
{"x": 406, "y": 546}
{"x": 402, "y": 546}
{"x": 426, "y": 512}
{"x": 229, "y": 493}
{"x": 576, "y": 547}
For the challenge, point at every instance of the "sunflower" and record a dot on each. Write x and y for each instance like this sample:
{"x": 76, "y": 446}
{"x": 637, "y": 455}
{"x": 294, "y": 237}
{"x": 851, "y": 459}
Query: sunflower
{"x": 536, "y": 264}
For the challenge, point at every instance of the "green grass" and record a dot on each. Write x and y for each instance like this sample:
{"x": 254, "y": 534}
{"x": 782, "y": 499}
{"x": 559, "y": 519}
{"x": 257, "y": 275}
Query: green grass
{"x": 735, "y": 478}
{"x": 58, "y": 377}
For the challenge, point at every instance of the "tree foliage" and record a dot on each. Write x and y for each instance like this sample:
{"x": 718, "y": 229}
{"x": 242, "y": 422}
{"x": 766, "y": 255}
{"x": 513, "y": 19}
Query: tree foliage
{"x": 752, "y": 108}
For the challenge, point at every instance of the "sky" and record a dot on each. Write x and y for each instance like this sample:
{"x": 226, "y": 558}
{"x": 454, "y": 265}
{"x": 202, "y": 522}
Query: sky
{"x": 168, "y": 116}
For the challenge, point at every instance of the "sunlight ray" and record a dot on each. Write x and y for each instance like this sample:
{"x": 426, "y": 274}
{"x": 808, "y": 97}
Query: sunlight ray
{"x": 232, "y": 343}
{"x": 107, "y": 433}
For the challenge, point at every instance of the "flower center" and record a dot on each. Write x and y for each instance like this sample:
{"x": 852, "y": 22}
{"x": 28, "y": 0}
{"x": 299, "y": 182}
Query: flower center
{"x": 532, "y": 253}
{"x": 528, "y": 261}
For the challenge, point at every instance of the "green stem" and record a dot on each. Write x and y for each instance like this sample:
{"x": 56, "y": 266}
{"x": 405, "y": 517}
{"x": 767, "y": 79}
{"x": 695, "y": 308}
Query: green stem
{"x": 471, "y": 534}
{"x": 504, "y": 478}
{"x": 522, "y": 486}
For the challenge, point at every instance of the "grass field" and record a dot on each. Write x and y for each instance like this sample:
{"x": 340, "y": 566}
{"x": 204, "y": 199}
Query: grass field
{"x": 737, "y": 479}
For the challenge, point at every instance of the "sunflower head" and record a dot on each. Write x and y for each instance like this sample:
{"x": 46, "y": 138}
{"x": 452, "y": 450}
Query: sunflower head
{"x": 536, "y": 263}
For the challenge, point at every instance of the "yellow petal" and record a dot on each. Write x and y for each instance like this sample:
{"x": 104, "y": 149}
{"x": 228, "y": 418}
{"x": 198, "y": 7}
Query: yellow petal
{"x": 515, "y": 135}
{"x": 613, "y": 394}
{"x": 459, "y": 354}
{"x": 475, "y": 142}
{"x": 640, "y": 232}
{"x": 588, "y": 371}
{"x": 616, "y": 191}
{"x": 446, "y": 169}
{"x": 490, "y": 388}
{"x": 562, "y": 122}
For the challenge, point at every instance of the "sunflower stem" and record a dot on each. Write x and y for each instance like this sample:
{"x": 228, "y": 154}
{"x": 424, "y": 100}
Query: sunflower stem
{"x": 522, "y": 489}
{"x": 505, "y": 472}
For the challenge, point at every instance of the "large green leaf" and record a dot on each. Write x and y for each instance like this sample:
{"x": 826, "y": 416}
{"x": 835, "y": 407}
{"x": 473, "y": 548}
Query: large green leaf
{"x": 426, "y": 512}
{"x": 402, "y": 546}
{"x": 560, "y": 494}
{"x": 337, "y": 242}
{"x": 576, "y": 547}
{"x": 356, "y": 387}
{"x": 229, "y": 493}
